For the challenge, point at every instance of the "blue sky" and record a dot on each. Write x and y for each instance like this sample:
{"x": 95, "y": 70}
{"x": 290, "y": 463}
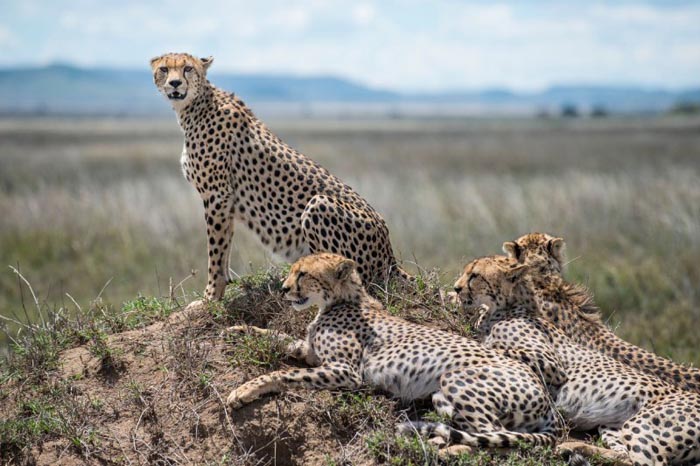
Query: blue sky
{"x": 404, "y": 45}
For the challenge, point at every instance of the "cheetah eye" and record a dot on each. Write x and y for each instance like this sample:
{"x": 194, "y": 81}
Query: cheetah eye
{"x": 188, "y": 69}
{"x": 471, "y": 280}
{"x": 301, "y": 274}
{"x": 164, "y": 69}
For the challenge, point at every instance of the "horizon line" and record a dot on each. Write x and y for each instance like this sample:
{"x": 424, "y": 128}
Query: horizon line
{"x": 296, "y": 75}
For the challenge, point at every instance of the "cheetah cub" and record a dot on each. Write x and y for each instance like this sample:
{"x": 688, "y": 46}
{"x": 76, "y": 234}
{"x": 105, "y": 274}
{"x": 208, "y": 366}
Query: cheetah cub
{"x": 248, "y": 176}
{"x": 544, "y": 255}
{"x": 353, "y": 342}
{"x": 649, "y": 420}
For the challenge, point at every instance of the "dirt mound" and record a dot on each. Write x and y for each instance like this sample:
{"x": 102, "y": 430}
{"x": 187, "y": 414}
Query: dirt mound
{"x": 130, "y": 390}
{"x": 162, "y": 403}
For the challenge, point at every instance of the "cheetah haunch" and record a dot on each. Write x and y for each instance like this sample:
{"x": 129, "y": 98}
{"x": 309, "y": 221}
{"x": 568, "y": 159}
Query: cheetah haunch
{"x": 544, "y": 254}
{"x": 493, "y": 400}
{"x": 245, "y": 174}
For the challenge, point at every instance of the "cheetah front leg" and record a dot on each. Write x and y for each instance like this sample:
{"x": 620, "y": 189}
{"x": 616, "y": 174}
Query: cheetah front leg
{"x": 328, "y": 376}
{"x": 217, "y": 213}
{"x": 520, "y": 339}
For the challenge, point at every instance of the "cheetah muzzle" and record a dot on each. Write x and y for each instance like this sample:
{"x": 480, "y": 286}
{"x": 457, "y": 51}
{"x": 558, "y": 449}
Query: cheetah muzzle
{"x": 176, "y": 95}
{"x": 300, "y": 301}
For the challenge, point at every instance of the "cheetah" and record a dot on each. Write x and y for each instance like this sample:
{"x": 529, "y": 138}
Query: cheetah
{"x": 544, "y": 253}
{"x": 653, "y": 422}
{"x": 546, "y": 258}
{"x": 246, "y": 175}
{"x": 353, "y": 342}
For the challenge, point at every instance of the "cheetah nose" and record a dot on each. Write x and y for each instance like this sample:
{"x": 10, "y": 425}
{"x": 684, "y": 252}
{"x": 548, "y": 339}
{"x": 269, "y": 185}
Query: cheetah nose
{"x": 175, "y": 83}
{"x": 458, "y": 289}
{"x": 285, "y": 289}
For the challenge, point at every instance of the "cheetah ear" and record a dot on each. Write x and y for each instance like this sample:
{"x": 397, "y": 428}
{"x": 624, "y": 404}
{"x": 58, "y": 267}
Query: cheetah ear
{"x": 206, "y": 62}
{"x": 512, "y": 249}
{"x": 344, "y": 269}
{"x": 514, "y": 274}
{"x": 556, "y": 247}
{"x": 154, "y": 60}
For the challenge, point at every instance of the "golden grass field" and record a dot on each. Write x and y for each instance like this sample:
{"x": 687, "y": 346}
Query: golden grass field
{"x": 97, "y": 217}
{"x": 98, "y": 206}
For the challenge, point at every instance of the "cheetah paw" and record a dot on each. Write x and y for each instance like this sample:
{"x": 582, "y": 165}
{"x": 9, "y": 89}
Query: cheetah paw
{"x": 237, "y": 329}
{"x": 454, "y": 450}
{"x": 451, "y": 298}
{"x": 195, "y": 305}
{"x": 244, "y": 329}
{"x": 234, "y": 400}
{"x": 437, "y": 442}
{"x": 247, "y": 329}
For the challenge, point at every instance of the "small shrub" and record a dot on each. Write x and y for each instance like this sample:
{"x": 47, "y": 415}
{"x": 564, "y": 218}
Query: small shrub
{"x": 388, "y": 448}
{"x": 352, "y": 412}
{"x": 257, "y": 350}
{"x": 142, "y": 311}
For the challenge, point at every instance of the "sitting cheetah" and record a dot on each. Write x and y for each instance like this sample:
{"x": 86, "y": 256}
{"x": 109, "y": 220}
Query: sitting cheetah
{"x": 545, "y": 256}
{"x": 245, "y": 174}
{"x": 354, "y": 341}
{"x": 653, "y": 422}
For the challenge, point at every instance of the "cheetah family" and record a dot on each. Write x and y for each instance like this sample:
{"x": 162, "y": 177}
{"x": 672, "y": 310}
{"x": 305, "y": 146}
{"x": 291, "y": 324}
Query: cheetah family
{"x": 540, "y": 359}
{"x": 649, "y": 418}
{"x": 544, "y": 254}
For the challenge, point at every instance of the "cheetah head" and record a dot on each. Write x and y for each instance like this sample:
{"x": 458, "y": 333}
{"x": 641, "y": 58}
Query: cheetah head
{"x": 180, "y": 76}
{"x": 319, "y": 279}
{"x": 538, "y": 250}
{"x": 489, "y": 282}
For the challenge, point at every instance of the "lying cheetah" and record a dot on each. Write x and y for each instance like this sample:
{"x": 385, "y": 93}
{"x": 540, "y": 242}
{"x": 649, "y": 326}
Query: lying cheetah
{"x": 545, "y": 256}
{"x": 653, "y": 422}
{"x": 354, "y": 341}
{"x": 245, "y": 174}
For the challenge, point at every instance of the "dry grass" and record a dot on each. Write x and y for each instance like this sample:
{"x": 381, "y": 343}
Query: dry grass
{"x": 87, "y": 203}
{"x": 99, "y": 208}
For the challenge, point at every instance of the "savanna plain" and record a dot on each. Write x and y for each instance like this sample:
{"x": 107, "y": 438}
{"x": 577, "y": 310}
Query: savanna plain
{"x": 98, "y": 225}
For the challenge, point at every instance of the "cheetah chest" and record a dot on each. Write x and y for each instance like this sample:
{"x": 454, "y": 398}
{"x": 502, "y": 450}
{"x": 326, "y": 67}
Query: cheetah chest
{"x": 256, "y": 206}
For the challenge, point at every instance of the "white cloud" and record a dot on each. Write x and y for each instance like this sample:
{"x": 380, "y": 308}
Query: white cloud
{"x": 410, "y": 45}
{"x": 291, "y": 19}
{"x": 686, "y": 53}
{"x": 8, "y": 40}
{"x": 647, "y": 15}
{"x": 363, "y": 13}
{"x": 5, "y": 35}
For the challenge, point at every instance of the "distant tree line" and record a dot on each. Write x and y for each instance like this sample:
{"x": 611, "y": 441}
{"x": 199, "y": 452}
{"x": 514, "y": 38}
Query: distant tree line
{"x": 569, "y": 110}
{"x": 685, "y": 108}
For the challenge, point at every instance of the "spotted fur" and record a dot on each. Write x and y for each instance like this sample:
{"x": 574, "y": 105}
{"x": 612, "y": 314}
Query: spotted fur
{"x": 581, "y": 320}
{"x": 541, "y": 251}
{"x": 353, "y": 341}
{"x": 248, "y": 176}
{"x": 654, "y": 422}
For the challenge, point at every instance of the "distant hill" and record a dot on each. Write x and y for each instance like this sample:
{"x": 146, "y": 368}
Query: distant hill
{"x": 68, "y": 89}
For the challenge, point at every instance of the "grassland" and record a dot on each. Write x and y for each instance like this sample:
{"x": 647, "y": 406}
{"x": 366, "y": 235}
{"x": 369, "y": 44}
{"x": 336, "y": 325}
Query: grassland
{"x": 96, "y": 216}
{"x": 99, "y": 207}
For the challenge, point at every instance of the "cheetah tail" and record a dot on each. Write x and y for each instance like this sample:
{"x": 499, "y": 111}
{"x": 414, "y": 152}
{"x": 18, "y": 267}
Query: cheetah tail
{"x": 501, "y": 439}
